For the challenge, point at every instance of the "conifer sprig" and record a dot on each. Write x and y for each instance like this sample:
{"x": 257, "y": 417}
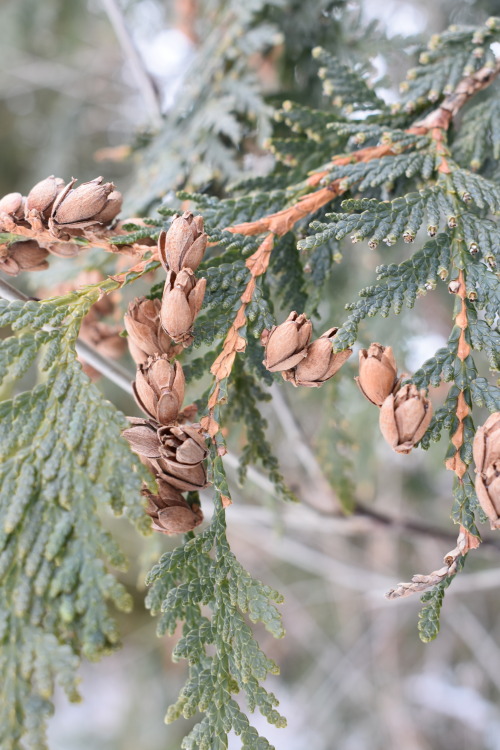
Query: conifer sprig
{"x": 378, "y": 176}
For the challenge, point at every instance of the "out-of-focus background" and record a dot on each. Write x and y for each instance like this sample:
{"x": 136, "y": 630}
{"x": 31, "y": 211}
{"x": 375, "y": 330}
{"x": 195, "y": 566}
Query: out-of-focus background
{"x": 83, "y": 89}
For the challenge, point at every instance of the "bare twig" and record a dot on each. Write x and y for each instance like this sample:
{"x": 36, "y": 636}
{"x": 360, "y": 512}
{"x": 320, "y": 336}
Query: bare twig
{"x": 323, "y": 497}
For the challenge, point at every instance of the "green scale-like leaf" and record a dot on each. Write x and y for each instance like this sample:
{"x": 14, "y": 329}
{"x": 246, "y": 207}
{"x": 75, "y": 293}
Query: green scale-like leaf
{"x": 205, "y": 571}
{"x": 383, "y": 221}
{"x": 449, "y": 57}
{"x": 401, "y": 285}
{"x": 61, "y": 458}
{"x": 428, "y": 619}
{"x": 479, "y": 134}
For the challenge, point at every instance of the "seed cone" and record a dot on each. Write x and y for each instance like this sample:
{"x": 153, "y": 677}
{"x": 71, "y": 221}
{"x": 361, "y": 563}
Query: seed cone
{"x": 486, "y": 451}
{"x": 319, "y": 364}
{"x": 41, "y": 197}
{"x": 159, "y": 388}
{"x": 80, "y": 207}
{"x": 184, "y": 245}
{"x": 23, "y": 256}
{"x": 143, "y": 438}
{"x": 182, "y": 300}
{"x": 12, "y": 204}
{"x": 182, "y": 451}
{"x": 170, "y": 513}
{"x": 286, "y": 344}
{"x": 404, "y": 418}
{"x": 175, "y": 453}
{"x": 377, "y": 373}
{"x": 145, "y": 333}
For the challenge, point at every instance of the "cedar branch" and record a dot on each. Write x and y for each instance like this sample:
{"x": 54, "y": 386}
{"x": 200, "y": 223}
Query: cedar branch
{"x": 277, "y": 224}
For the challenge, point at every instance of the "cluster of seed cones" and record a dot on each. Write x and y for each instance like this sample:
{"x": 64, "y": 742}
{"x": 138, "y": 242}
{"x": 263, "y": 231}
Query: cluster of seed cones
{"x": 172, "y": 448}
{"x": 405, "y": 412}
{"x": 56, "y": 212}
{"x": 289, "y": 350}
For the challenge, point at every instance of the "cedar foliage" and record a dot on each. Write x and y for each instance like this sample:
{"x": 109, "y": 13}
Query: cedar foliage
{"x": 387, "y": 176}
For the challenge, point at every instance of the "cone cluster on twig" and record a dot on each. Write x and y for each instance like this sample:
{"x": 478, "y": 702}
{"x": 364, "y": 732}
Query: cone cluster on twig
{"x": 171, "y": 448}
{"x": 405, "y": 412}
{"x": 55, "y": 211}
{"x": 289, "y": 350}
{"x": 486, "y": 451}
{"x": 181, "y": 251}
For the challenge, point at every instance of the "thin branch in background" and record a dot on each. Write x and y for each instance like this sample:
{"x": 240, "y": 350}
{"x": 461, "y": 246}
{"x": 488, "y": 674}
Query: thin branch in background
{"x": 470, "y": 629}
{"x": 323, "y": 498}
{"x": 143, "y": 80}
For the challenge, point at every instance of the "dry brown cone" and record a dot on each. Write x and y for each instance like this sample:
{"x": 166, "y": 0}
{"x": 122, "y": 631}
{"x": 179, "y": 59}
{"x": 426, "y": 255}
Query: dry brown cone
{"x": 89, "y": 204}
{"x": 182, "y": 452}
{"x": 145, "y": 333}
{"x": 286, "y": 344}
{"x": 486, "y": 450}
{"x": 170, "y": 513}
{"x": 40, "y": 200}
{"x": 404, "y": 417}
{"x": 175, "y": 453}
{"x": 184, "y": 245}
{"x": 377, "y": 373}
{"x": 22, "y": 256}
{"x": 320, "y": 363}
{"x": 159, "y": 388}
{"x": 182, "y": 300}
{"x": 11, "y": 211}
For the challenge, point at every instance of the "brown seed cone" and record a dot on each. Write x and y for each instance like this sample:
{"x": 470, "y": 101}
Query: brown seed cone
{"x": 182, "y": 451}
{"x": 175, "y": 453}
{"x": 145, "y": 333}
{"x": 486, "y": 451}
{"x": 23, "y": 256}
{"x": 159, "y": 388}
{"x": 79, "y": 207}
{"x": 12, "y": 205}
{"x": 377, "y": 373}
{"x": 184, "y": 245}
{"x": 170, "y": 513}
{"x": 182, "y": 300}
{"x": 404, "y": 417}
{"x": 286, "y": 344}
{"x": 41, "y": 197}
{"x": 319, "y": 364}
{"x": 143, "y": 438}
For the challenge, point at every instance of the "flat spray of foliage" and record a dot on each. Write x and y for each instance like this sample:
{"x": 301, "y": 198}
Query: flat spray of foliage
{"x": 356, "y": 168}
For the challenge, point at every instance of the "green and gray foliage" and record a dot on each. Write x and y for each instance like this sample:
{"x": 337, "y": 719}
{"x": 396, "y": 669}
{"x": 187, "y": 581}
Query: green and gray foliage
{"x": 63, "y": 459}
